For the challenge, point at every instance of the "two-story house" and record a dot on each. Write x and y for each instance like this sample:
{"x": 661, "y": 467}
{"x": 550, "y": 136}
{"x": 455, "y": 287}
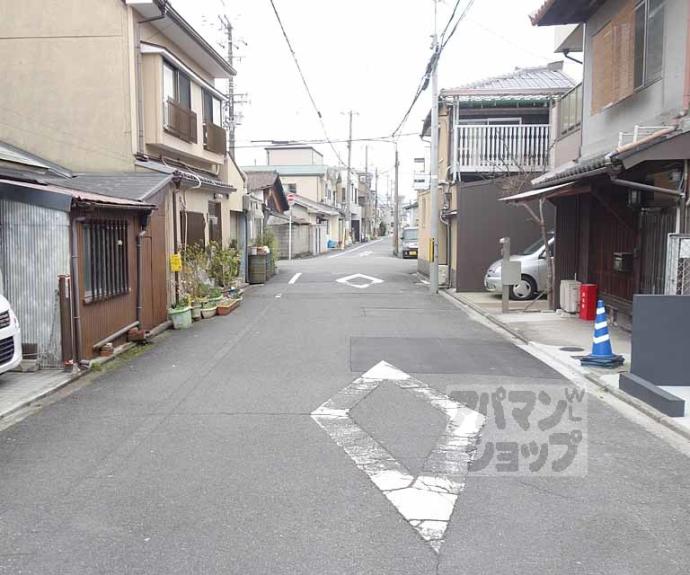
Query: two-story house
{"x": 626, "y": 191}
{"x": 114, "y": 89}
{"x": 304, "y": 173}
{"x": 494, "y": 137}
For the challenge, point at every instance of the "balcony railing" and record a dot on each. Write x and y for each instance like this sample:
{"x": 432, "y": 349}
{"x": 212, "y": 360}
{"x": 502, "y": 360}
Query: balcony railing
{"x": 502, "y": 148}
{"x": 214, "y": 138}
{"x": 180, "y": 121}
{"x": 570, "y": 111}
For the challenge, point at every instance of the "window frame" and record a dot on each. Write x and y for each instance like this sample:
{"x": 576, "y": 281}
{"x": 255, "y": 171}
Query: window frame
{"x": 105, "y": 259}
{"x": 177, "y": 74}
{"x": 209, "y": 114}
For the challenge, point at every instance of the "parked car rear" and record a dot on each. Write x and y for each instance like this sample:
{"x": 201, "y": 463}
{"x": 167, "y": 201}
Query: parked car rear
{"x": 409, "y": 242}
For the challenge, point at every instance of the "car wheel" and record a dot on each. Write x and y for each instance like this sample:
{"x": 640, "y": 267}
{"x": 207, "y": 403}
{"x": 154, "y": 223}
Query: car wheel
{"x": 526, "y": 289}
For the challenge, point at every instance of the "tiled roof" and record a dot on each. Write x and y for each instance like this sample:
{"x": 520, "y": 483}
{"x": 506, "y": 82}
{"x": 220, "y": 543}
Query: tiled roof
{"x": 543, "y": 80}
{"x": 261, "y": 180}
{"x": 553, "y": 12}
{"x": 128, "y": 185}
{"x": 313, "y": 206}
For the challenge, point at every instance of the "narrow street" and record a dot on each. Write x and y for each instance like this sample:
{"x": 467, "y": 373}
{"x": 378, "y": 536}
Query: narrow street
{"x": 201, "y": 456}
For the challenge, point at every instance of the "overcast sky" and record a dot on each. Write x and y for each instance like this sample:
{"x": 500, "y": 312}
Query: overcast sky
{"x": 362, "y": 55}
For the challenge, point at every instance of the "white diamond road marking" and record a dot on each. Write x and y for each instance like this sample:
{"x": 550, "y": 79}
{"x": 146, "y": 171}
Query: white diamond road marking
{"x": 370, "y": 281}
{"x": 426, "y": 501}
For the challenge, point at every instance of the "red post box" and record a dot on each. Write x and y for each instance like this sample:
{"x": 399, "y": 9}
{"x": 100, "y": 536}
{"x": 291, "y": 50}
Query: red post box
{"x": 588, "y": 302}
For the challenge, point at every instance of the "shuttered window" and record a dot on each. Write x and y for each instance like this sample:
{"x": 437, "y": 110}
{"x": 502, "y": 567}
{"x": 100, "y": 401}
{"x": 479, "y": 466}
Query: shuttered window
{"x": 627, "y": 53}
{"x": 105, "y": 267}
{"x": 602, "y": 70}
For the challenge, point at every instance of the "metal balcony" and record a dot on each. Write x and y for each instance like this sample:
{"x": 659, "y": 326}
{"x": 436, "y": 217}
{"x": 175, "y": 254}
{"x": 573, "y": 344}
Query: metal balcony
{"x": 215, "y": 139}
{"x": 180, "y": 121}
{"x": 502, "y": 148}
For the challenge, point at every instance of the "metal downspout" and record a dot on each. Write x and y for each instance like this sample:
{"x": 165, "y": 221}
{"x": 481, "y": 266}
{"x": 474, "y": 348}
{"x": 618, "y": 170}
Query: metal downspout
{"x": 140, "y": 275}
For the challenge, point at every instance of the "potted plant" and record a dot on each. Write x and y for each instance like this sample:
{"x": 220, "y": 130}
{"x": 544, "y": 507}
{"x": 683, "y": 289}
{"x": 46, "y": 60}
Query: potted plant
{"x": 181, "y": 313}
{"x": 196, "y": 309}
{"x": 215, "y": 296}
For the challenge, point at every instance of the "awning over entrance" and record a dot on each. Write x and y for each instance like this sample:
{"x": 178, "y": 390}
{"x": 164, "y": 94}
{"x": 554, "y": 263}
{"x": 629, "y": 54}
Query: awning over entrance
{"x": 560, "y": 190}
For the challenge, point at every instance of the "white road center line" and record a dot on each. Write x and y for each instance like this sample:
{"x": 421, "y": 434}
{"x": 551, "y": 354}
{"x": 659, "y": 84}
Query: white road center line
{"x": 294, "y": 278}
{"x": 279, "y": 295}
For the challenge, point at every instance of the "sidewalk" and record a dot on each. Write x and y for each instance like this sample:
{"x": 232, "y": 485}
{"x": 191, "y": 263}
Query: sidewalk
{"x": 17, "y": 389}
{"x": 564, "y": 338}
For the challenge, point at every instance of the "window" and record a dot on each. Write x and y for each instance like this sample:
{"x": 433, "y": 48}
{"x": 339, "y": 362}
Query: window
{"x": 290, "y": 188}
{"x": 654, "y": 42}
{"x": 410, "y": 234}
{"x": 627, "y": 53}
{"x": 570, "y": 110}
{"x": 105, "y": 264}
{"x": 212, "y": 109}
{"x": 192, "y": 228}
{"x": 177, "y": 86}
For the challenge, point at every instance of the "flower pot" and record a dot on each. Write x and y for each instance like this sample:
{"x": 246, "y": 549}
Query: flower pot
{"x": 228, "y": 306}
{"x": 181, "y": 317}
{"x": 208, "y": 312}
{"x": 196, "y": 311}
{"x": 214, "y": 301}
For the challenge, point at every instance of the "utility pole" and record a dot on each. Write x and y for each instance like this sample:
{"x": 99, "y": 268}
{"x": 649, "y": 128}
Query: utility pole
{"x": 433, "y": 180}
{"x": 348, "y": 224}
{"x": 376, "y": 201}
{"x": 368, "y": 189}
{"x": 227, "y": 25}
{"x": 396, "y": 208}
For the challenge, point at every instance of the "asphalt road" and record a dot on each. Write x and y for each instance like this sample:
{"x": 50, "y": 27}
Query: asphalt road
{"x": 200, "y": 455}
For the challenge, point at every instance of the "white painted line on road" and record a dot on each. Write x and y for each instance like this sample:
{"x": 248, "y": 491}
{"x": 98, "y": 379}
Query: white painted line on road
{"x": 426, "y": 501}
{"x": 355, "y": 249}
{"x": 294, "y": 278}
{"x": 279, "y": 295}
{"x": 365, "y": 254}
{"x": 369, "y": 281}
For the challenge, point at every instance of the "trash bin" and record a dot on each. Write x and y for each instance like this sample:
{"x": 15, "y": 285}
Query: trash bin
{"x": 588, "y": 302}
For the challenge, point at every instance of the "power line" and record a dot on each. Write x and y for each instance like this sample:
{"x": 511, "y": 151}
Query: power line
{"x": 424, "y": 82}
{"x": 262, "y": 143}
{"x": 306, "y": 85}
{"x": 462, "y": 16}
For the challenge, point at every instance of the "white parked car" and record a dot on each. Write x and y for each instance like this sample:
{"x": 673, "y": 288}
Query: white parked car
{"x": 533, "y": 280}
{"x": 10, "y": 338}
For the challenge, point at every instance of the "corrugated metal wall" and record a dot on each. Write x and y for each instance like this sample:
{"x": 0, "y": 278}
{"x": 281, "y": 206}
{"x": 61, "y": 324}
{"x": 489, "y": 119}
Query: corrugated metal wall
{"x": 34, "y": 251}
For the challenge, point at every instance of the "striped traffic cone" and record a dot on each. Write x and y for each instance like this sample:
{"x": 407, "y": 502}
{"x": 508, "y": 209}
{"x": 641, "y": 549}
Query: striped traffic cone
{"x": 602, "y": 355}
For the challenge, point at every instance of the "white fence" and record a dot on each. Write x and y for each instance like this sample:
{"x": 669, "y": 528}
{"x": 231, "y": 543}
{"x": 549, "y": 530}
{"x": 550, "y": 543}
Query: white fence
{"x": 502, "y": 148}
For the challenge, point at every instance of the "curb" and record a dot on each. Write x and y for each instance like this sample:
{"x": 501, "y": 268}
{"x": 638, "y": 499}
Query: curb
{"x": 642, "y": 407}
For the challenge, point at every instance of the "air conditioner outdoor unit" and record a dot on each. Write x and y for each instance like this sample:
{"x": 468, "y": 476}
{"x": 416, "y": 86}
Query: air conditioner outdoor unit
{"x": 570, "y": 295}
